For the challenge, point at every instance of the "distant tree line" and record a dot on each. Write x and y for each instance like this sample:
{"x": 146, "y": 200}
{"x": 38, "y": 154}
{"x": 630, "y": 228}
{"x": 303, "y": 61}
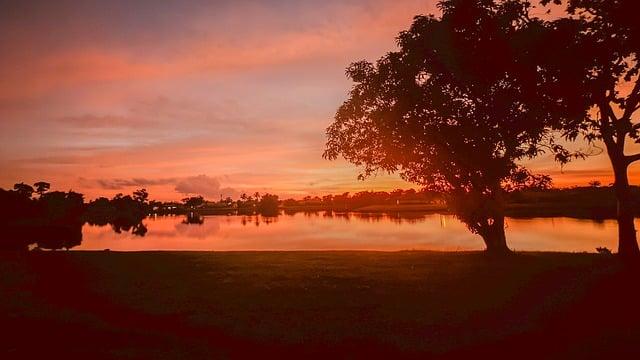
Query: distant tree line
{"x": 351, "y": 201}
{"x": 265, "y": 204}
{"x": 53, "y": 219}
{"x": 591, "y": 202}
{"x": 34, "y": 216}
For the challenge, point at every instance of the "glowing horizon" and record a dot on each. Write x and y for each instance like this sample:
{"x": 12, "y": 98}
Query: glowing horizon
{"x": 215, "y": 98}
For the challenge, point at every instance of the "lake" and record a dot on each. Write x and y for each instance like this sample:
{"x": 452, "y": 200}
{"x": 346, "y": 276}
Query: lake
{"x": 348, "y": 231}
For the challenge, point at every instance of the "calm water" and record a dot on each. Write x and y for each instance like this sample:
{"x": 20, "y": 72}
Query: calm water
{"x": 323, "y": 231}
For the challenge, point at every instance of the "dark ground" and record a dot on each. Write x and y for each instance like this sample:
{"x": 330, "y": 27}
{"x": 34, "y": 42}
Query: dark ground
{"x": 62, "y": 305}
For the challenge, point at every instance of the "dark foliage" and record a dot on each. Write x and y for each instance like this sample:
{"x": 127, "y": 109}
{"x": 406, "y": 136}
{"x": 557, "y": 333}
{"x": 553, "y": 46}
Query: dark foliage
{"x": 54, "y": 220}
{"x": 268, "y": 205}
{"x": 591, "y": 65}
{"x": 347, "y": 201}
{"x": 193, "y": 202}
{"x": 123, "y": 212}
{"x": 454, "y": 110}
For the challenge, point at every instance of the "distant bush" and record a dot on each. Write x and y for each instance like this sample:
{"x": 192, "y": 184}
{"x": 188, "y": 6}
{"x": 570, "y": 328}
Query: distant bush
{"x": 268, "y": 205}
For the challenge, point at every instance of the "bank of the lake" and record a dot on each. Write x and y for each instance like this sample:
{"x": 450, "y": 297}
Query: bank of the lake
{"x": 316, "y": 304}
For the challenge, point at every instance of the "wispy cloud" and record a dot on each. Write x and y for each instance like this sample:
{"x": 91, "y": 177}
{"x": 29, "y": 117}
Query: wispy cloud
{"x": 119, "y": 184}
{"x": 204, "y": 185}
{"x": 147, "y": 94}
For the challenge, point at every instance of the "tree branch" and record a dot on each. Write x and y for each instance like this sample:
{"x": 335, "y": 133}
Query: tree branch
{"x": 632, "y": 101}
{"x": 632, "y": 158}
{"x": 606, "y": 117}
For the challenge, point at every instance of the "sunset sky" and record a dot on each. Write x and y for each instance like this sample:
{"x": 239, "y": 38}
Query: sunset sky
{"x": 194, "y": 97}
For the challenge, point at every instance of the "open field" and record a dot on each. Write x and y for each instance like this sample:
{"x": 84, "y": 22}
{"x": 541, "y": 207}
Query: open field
{"x": 316, "y": 304}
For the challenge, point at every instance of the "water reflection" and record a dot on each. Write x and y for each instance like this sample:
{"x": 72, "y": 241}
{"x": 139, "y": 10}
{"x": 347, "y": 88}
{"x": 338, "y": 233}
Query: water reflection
{"x": 397, "y": 217}
{"x": 257, "y": 219}
{"x": 193, "y": 218}
{"x": 53, "y": 237}
{"x": 326, "y": 230}
{"x": 121, "y": 224}
{"x": 61, "y": 235}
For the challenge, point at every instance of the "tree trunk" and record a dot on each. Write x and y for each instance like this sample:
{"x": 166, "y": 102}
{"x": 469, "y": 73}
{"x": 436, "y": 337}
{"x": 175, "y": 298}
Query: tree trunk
{"x": 494, "y": 237}
{"x": 627, "y": 243}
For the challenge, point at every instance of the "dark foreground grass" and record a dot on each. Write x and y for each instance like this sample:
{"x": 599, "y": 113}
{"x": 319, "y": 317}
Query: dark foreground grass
{"x": 316, "y": 304}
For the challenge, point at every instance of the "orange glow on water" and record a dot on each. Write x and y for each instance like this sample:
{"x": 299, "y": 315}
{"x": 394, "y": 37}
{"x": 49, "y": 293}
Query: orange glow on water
{"x": 350, "y": 232}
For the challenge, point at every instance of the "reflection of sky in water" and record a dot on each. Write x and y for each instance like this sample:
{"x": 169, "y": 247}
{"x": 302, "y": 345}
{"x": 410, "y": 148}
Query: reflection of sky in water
{"x": 323, "y": 231}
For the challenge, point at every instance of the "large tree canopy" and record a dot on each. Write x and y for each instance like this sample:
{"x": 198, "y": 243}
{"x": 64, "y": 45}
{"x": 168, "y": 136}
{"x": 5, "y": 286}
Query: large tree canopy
{"x": 592, "y": 63}
{"x": 454, "y": 109}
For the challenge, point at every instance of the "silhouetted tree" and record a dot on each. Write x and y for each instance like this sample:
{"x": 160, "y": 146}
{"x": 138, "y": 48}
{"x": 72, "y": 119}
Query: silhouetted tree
{"x": 228, "y": 201}
{"x": 268, "y": 205}
{"x": 453, "y": 109}
{"x": 42, "y": 187}
{"x": 55, "y": 219}
{"x": 592, "y": 66}
{"x": 24, "y": 190}
{"x": 61, "y": 207}
{"x": 17, "y": 213}
{"x": 193, "y": 202}
{"x": 141, "y": 196}
{"x": 246, "y": 204}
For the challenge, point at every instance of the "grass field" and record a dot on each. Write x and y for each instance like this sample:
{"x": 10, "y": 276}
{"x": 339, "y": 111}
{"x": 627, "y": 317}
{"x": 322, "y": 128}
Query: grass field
{"x": 316, "y": 304}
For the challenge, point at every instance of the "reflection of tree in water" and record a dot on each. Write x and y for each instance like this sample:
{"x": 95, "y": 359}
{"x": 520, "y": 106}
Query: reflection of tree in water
{"x": 410, "y": 217}
{"x": 257, "y": 220}
{"x": 343, "y": 215}
{"x": 46, "y": 236}
{"x": 398, "y": 217}
{"x": 370, "y": 217}
{"x": 60, "y": 237}
{"x": 269, "y": 219}
{"x": 41, "y": 237}
{"x": 193, "y": 219}
{"x": 121, "y": 225}
{"x": 290, "y": 212}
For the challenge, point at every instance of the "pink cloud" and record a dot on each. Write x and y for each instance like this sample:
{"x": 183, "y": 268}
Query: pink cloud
{"x": 239, "y": 90}
{"x": 213, "y": 51}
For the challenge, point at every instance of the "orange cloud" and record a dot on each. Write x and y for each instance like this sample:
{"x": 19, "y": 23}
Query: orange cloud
{"x": 28, "y": 74}
{"x": 239, "y": 91}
